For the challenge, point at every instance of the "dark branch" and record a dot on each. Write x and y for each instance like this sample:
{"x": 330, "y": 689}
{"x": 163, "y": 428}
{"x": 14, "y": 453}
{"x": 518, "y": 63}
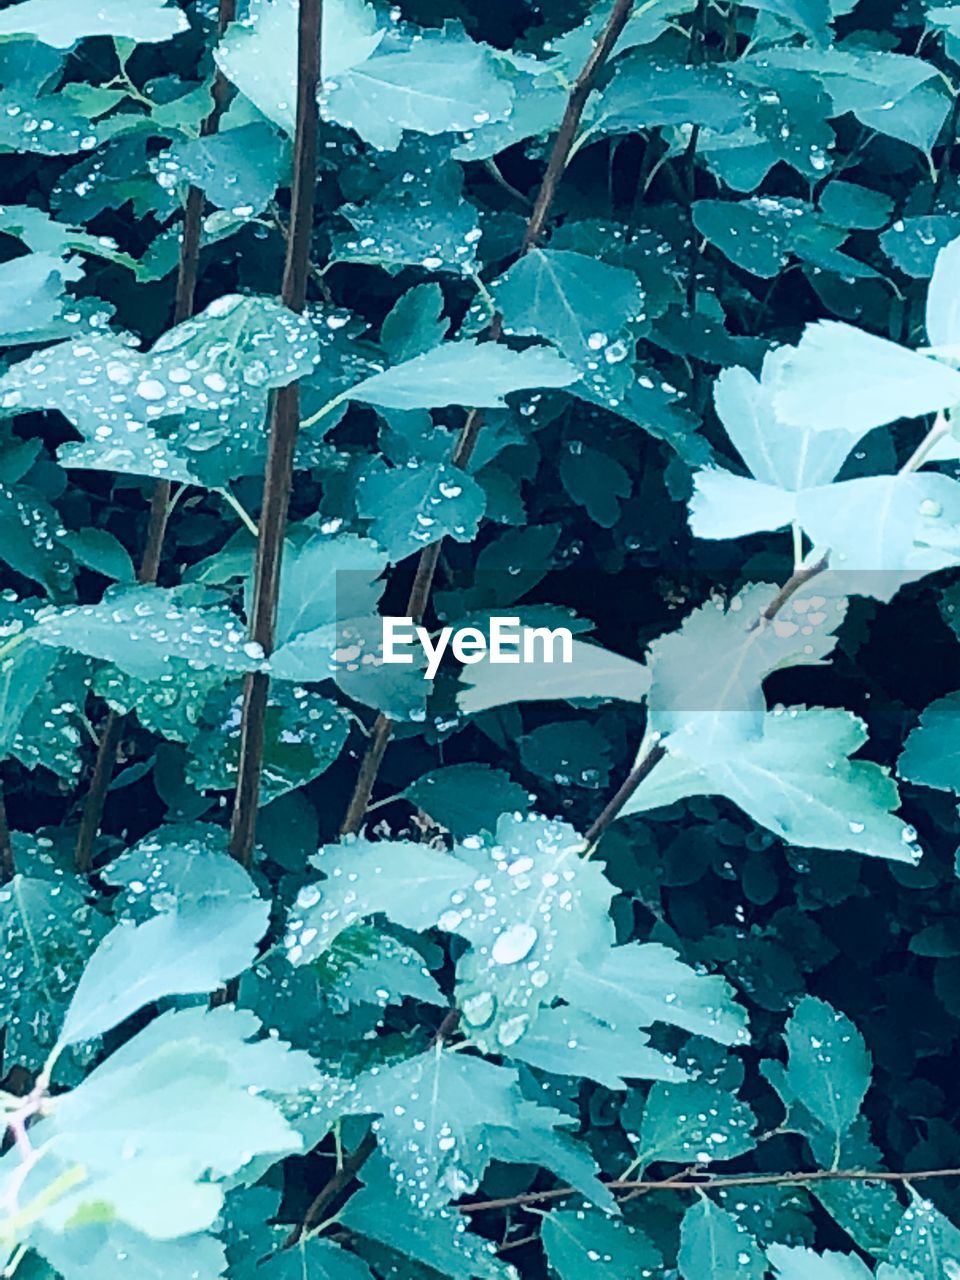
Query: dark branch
{"x": 285, "y": 422}
{"x": 466, "y": 442}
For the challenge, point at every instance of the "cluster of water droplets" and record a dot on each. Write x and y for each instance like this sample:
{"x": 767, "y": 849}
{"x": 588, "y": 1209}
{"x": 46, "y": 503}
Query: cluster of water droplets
{"x": 202, "y": 389}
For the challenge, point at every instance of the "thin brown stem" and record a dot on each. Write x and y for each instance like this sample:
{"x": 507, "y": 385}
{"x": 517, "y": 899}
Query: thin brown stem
{"x": 716, "y": 1182}
{"x": 284, "y": 424}
{"x": 160, "y": 496}
{"x": 467, "y": 439}
{"x": 346, "y": 1173}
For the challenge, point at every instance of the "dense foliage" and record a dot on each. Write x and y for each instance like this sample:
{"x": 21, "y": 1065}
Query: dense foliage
{"x": 644, "y": 321}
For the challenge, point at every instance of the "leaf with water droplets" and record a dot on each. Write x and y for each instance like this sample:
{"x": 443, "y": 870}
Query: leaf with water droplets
{"x": 827, "y": 1073}
{"x": 410, "y": 883}
{"x": 925, "y": 1243}
{"x": 418, "y": 220}
{"x": 583, "y": 1242}
{"x": 149, "y": 631}
{"x": 33, "y": 539}
{"x": 191, "y": 409}
{"x": 429, "y": 1108}
{"x": 534, "y": 908}
{"x": 805, "y": 1264}
{"x": 713, "y": 1243}
{"x": 382, "y": 1212}
{"x": 49, "y": 931}
{"x": 192, "y": 1101}
{"x": 798, "y": 781}
{"x": 648, "y": 983}
{"x": 693, "y": 1122}
{"x": 176, "y": 866}
{"x": 410, "y": 507}
{"x": 304, "y": 734}
{"x": 568, "y": 1041}
{"x": 585, "y": 306}
{"x": 707, "y": 686}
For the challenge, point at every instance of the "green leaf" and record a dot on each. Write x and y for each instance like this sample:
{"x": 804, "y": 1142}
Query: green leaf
{"x": 304, "y": 734}
{"x": 237, "y": 169}
{"x": 24, "y": 672}
{"x": 381, "y": 1211}
{"x": 190, "y": 1103}
{"x": 828, "y": 1068}
{"x": 410, "y": 883}
{"x": 414, "y": 221}
{"x": 49, "y": 931}
{"x": 429, "y": 1108}
{"x": 99, "y": 550}
{"x": 315, "y": 1259}
{"x": 842, "y": 378}
{"x": 192, "y": 409}
{"x": 62, "y": 25}
{"x": 648, "y": 983}
{"x": 571, "y": 1042}
{"x": 581, "y": 304}
{"x": 850, "y": 205}
{"x": 925, "y": 1243}
{"x": 177, "y": 866}
{"x": 410, "y": 507}
{"x": 147, "y": 631}
{"x": 33, "y": 540}
{"x": 912, "y": 244}
{"x": 442, "y": 82}
{"x": 467, "y": 797}
{"x": 693, "y": 1122}
{"x": 472, "y": 373}
{"x": 582, "y": 1242}
{"x": 784, "y": 782}
{"x": 593, "y": 672}
{"x": 931, "y": 753}
{"x": 707, "y": 678}
{"x": 415, "y": 323}
{"x": 33, "y": 297}
{"x": 175, "y": 953}
{"x": 713, "y": 1243}
{"x": 534, "y": 907}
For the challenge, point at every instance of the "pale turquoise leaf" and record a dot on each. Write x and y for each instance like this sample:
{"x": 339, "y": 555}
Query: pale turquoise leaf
{"x": 943, "y": 298}
{"x": 534, "y": 907}
{"x": 593, "y": 672}
{"x": 571, "y": 1042}
{"x": 728, "y": 506}
{"x": 805, "y": 1264}
{"x": 648, "y": 983}
{"x": 63, "y": 25}
{"x": 478, "y": 374}
{"x": 707, "y": 678}
{"x": 786, "y": 457}
{"x": 841, "y": 378}
{"x": 885, "y": 530}
{"x": 175, "y": 953}
{"x": 798, "y": 781}
{"x": 411, "y": 883}
{"x": 145, "y": 631}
